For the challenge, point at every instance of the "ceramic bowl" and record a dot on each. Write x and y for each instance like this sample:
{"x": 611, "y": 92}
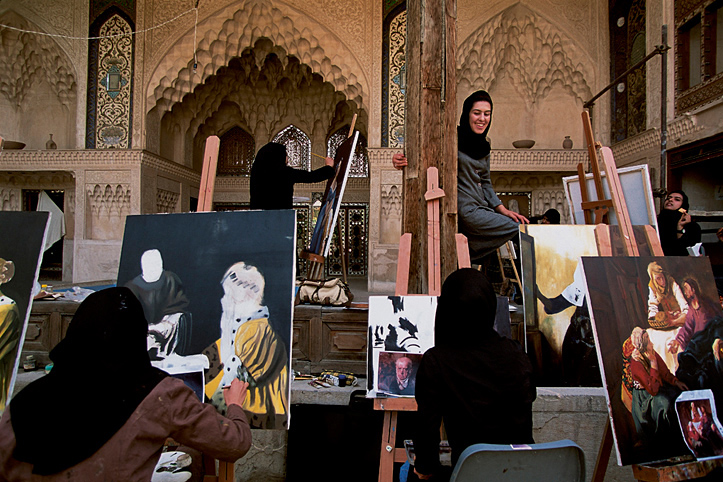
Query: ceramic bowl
{"x": 13, "y": 145}
{"x": 523, "y": 144}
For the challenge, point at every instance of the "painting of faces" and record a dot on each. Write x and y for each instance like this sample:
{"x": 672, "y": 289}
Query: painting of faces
{"x": 658, "y": 327}
{"x": 699, "y": 423}
{"x": 557, "y": 319}
{"x": 399, "y": 327}
{"x": 217, "y": 292}
{"x": 20, "y": 254}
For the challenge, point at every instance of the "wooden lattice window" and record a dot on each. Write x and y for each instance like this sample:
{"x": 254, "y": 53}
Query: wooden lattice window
{"x": 236, "y": 153}
{"x": 298, "y": 147}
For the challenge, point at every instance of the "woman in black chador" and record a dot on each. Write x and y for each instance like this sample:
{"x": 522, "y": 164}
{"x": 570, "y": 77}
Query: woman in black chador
{"x": 272, "y": 181}
{"x": 477, "y": 381}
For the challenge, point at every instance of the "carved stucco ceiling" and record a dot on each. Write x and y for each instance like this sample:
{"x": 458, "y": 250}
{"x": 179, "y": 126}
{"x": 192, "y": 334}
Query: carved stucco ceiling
{"x": 224, "y": 36}
{"x": 533, "y": 53}
{"x": 242, "y": 93}
{"x": 27, "y": 58}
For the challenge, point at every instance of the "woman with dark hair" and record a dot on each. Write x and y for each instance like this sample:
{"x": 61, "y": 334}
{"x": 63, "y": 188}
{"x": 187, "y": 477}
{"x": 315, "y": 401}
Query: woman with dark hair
{"x": 477, "y": 382}
{"x": 104, "y": 412}
{"x": 486, "y": 222}
{"x": 272, "y": 181}
{"x": 677, "y": 230}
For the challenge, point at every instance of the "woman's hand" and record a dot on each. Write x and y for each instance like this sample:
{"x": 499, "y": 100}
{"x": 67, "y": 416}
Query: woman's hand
{"x": 399, "y": 161}
{"x": 329, "y": 161}
{"x": 518, "y": 218}
{"x": 235, "y": 393}
{"x": 684, "y": 219}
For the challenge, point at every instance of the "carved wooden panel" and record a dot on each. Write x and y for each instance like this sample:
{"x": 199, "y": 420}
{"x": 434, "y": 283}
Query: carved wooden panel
{"x": 47, "y": 325}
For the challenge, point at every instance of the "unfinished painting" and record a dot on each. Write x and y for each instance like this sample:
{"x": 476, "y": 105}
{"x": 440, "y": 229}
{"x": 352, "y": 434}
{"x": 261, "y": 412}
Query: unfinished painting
{"x": 658, "y": 329}
{"x": 554, "y": 296}
{"x": 560, "y": 339}
{"x": 398, "y": 324}
{"x": 21, "y": 249}
{"x": 217, "y": 291}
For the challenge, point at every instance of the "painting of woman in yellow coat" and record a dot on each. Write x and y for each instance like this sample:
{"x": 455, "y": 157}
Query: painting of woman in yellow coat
{"x": 251, "y": 350}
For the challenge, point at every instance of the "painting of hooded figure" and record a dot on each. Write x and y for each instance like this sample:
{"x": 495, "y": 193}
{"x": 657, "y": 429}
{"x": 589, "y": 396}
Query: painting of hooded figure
{"x": 165, "y": 306}
{"x": 250, "y": 349}
{"x": 667, "y": 310}
{"x": 10, "y": 324}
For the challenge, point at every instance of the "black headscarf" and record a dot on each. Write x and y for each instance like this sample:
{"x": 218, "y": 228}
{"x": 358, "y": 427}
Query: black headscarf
{"x": 552, "y": 215}
{"x": 101, "y": 373}
{"x": 269, "y": 188}
{"x": 467, "y": 305}
{"x": 474, "y": 145}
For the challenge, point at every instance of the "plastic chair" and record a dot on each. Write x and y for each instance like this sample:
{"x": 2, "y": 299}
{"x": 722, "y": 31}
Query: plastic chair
{"x": 560, "y": 461}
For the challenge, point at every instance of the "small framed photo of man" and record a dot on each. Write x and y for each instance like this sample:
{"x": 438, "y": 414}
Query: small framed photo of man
{"x": 398, "y": 373}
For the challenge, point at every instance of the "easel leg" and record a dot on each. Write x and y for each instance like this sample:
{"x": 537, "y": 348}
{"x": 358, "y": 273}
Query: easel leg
{"x": 389, "y": 440}
{"x": 603, "y": 456}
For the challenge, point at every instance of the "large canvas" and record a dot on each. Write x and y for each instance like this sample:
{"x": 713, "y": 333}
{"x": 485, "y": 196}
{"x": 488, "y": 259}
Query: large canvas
{"x": 397, "y": 324}
{"x": 556, "y": 312}
{"x": 635, "y": 183}
{"x": 658, "y": 332}
{"x": 21, "y": 248}
{"x": 217, "y": 290}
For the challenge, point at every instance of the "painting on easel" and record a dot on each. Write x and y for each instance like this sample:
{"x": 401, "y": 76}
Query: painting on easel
{"x": 398, "y": 325}
{"x": 21, "y": 248}
{"x": 554, "y": 301}
{"x": 217, "y": 290}
{"x": 657, "y": 321}
{"x": 331, "y": 202}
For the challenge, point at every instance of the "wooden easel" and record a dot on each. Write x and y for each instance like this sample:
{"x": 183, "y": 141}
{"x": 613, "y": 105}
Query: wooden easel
{"x": 595, "y": 212}
{"x": 666, "y": 471}
{"x": 389, "y": 453}
{"x": 205, "y": 199}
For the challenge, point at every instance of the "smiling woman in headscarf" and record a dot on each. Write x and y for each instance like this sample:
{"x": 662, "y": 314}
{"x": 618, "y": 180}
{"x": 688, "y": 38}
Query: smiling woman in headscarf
{"x": 483, "y": 218}
{"x": 478, "y": 382}
{"x": 103, "y": 412}
{"x": 272, "y": 181}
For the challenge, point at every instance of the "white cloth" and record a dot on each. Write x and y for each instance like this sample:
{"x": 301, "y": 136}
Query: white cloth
{"x": 56, "y": 229}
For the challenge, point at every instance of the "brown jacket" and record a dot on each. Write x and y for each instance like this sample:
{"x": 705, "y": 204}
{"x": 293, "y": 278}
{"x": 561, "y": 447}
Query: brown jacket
{"x": 170, "y": 410}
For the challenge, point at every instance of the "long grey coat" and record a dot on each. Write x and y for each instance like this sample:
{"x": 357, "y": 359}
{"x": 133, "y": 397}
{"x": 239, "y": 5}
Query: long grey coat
{"x": 486, "y": 230}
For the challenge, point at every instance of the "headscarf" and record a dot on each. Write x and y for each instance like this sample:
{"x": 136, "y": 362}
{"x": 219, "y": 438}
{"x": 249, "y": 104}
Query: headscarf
{"x": 552, "y": 215}
{"x": 101, "y": 373}
{"x": 269, "y": 160}
{"x": 465, "y": 310}
{"x": 659, "y": 291}
{"x": 474, "y": 145}
{"x": 640, "y": 342}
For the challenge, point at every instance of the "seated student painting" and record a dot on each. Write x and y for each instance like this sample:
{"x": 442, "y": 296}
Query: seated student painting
{"x": 104, "y": 412}
{"x": 483, "y": 219}
{"x": 477, "y": 382}
{"x": 676, "y": 228}
{"x": 272, "y": 180}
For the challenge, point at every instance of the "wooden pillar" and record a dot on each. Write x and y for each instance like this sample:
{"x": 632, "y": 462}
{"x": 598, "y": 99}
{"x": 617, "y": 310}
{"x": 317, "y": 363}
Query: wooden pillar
{"x": 431, "y": 132}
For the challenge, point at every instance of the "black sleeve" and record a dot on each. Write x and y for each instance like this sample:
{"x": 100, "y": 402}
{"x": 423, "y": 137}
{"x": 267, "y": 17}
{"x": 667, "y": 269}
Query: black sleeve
{"x": 691, "y": 236}
{"x": 429, "y": 408}
{"x": 302, "y": 176}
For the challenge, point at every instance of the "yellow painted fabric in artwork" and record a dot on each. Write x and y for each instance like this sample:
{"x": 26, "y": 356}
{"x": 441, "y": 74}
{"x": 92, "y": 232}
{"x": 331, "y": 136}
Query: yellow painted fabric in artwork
{"x": 9, "y": 336}
{"x": 264, "y": 355}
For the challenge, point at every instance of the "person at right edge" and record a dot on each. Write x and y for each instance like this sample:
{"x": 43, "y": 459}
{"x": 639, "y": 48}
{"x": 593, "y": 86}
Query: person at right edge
{"x": 476, "y": 381}
{"x": 677, "y": 230}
